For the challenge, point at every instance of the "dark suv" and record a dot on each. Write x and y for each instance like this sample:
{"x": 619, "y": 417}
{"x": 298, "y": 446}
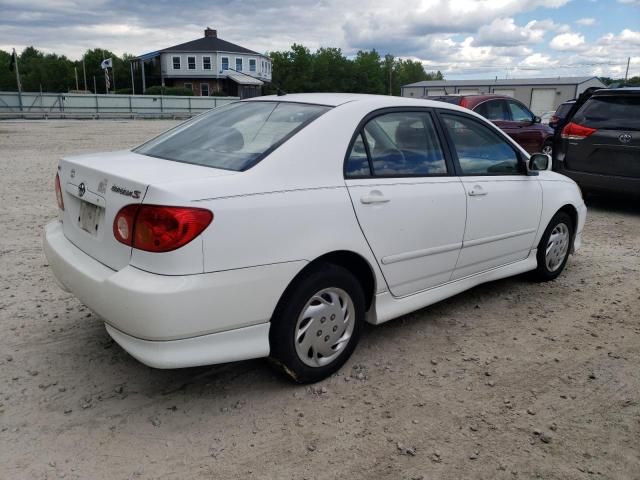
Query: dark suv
{"x": 599, "y": 144}
{"x": 509, "y": 115}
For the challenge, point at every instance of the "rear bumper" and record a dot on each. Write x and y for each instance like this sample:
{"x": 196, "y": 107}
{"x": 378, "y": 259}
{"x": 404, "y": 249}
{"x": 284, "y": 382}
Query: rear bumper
{"x": 230, "y": 346}
{"x": 595, "y": 181}
{"x": 170, "y": 321}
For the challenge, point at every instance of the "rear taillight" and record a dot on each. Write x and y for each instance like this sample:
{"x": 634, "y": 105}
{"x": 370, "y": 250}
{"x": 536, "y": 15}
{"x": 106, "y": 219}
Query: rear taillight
{"x": 59, "y": 193}
{"x": 156, "y": 228}
{"x": 574, "y": 131}
{"x": 464, "y": 102}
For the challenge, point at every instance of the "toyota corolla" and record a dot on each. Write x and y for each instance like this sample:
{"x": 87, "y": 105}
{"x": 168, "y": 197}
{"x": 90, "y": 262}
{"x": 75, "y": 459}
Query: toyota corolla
{"x": 275, "y": 227}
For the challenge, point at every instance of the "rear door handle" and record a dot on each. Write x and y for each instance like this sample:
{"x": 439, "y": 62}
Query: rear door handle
{"x": 375, "y": 196}
{"x": 477, "y": 191}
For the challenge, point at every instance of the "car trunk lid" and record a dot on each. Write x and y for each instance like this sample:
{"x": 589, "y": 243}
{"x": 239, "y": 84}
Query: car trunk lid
{"x": 96, "y": 186}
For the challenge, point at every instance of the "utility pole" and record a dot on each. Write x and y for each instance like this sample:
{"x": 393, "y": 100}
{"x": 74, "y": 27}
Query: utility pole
{"x": 15, "y": 59}
{"x": 626, "y": 74}
{"x": 133, "y": 85}
{"x": 84, "y": 74}
{"x": 95, "y": 90}
{"x": 75, "y": 70}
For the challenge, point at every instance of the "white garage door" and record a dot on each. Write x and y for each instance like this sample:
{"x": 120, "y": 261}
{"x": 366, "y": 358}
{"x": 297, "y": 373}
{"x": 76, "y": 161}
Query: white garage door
{"x": 543, "y": 100}
{"x": 468, "y": 91}
{"x": 509, "y": 92}
{"x": 433, "y": 92}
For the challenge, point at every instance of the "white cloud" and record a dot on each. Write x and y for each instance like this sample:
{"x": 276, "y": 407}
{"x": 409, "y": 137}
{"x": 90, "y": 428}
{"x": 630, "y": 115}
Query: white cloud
{"x": 586, "y": 21}
{"x": 567, "y": 41}
{"x": 459, "y": 37}
{"x": 505, "y": 32}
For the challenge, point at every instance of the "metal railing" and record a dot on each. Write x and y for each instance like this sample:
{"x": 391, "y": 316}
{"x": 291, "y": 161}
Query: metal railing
{"x": 74, "y": 105}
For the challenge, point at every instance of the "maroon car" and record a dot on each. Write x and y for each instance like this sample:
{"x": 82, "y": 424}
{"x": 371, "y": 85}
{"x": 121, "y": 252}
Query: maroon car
{"x": 511, "y": 116}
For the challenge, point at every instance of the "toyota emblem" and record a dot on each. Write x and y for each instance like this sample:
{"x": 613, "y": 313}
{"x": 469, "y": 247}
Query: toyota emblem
{"x": 625, "y": 138}
{"x": 81, "y": 190}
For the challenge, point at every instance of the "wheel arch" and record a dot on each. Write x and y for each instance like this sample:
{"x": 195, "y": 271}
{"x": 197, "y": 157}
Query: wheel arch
{"x": 351, "y": 261}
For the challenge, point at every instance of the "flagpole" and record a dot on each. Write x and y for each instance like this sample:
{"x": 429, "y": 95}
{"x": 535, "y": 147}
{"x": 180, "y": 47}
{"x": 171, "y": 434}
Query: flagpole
{"x": 113, "y": 74}
{"x": 75, "y": 70}
{"x": 15, "y": 60}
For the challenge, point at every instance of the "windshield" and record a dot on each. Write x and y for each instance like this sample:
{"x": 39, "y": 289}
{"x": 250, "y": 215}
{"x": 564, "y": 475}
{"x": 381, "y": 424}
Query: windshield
{"x": 235, "y": 136}
{"x": 610, "y": 112}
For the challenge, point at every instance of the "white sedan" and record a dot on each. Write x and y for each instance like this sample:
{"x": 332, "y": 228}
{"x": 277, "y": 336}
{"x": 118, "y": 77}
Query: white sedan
{"x": 277, "y": 226}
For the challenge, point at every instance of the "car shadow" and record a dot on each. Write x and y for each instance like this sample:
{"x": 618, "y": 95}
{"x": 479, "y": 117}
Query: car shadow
{"x": 613, "y": 203}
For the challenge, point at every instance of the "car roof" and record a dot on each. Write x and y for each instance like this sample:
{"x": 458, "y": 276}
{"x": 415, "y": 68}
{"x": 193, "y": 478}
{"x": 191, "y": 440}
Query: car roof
{"x": 336, "y": 99}
{"x": 614, "y": 91}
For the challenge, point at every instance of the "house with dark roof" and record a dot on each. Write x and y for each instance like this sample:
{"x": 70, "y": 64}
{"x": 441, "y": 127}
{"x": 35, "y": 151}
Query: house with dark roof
{"x": 208, "y": 66}
{"x": 539, "y": 94}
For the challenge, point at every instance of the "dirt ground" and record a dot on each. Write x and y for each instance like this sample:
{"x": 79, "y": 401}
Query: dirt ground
{"x": 511, "y": 380}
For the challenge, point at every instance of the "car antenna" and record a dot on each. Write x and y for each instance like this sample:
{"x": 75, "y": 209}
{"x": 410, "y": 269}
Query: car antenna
{"x": 279, "y": 91}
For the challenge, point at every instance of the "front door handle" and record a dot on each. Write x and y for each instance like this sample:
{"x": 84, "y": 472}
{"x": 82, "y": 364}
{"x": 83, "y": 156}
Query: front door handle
{"x": 477, "y": 191}
{"x": 375, "y": 196}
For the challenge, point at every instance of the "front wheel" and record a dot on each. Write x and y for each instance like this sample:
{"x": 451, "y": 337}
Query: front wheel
{"x": 547, "y": 147}
{"x": 554, "y": 247}
{"x": 317, "y": 324}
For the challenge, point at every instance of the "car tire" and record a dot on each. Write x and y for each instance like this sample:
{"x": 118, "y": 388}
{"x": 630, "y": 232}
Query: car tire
{"x": 547, "y": 147}
{"x": 554, "y": 247}
{"x": 317, "y": 323}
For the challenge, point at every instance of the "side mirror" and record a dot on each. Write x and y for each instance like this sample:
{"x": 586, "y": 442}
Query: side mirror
{"x": 539, "y": 162}
{"x": 536, "y": 119}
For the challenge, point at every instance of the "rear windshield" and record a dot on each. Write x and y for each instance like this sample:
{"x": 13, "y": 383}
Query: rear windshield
{"x": 446, "y": 98}
{"x": 563, "y": 110}
{"x": 610, "y": 112}
{"x": 235, "y": 136}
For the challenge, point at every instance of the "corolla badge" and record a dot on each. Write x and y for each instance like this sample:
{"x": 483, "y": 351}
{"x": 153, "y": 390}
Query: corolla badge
{"x": 625, "y": 138}
{"x": 81, "y": 190}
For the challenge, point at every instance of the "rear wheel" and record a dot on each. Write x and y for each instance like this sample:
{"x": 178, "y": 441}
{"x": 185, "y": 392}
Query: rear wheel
{"x": 317, "y": 324}
{"x": 547, "y": 147}
{"x": 554, "y": 247}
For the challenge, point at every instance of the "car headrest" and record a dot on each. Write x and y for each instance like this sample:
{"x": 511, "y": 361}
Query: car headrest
{"x": 410, "y": 137}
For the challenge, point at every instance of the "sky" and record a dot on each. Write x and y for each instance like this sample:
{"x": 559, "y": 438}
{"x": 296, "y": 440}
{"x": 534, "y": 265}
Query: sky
{"x": 464, "y": 39}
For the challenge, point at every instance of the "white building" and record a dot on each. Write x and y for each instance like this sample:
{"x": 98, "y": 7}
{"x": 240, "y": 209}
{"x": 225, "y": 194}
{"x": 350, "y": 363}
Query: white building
{"x": 539, "y": 94}
{"x": 208, "y": 66}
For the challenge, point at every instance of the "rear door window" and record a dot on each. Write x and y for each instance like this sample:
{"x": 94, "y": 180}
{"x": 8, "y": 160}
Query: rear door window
{"x": 493, "y": 110}
{"x": 609, "y": 112}
{"x": 404, "y": 144}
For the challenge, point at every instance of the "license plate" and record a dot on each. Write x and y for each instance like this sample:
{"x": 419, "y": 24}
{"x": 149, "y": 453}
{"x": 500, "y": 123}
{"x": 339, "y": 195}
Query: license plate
{"x": 89, "y": 217}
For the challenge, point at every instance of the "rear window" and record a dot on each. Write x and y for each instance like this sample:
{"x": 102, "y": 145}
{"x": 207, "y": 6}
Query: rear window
{"x": 610, "y": 112}
{"x": 446, "y": 98}
{"x": 235, "y": 136}
{"x": 563, "y": 110}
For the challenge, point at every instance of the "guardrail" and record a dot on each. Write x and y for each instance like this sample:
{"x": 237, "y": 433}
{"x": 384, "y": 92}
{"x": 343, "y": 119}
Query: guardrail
{"x": 75, "y": 105}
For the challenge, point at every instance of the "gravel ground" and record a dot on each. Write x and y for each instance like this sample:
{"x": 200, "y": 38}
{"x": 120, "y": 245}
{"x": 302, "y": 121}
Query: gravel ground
{"x": 510, "y": 380}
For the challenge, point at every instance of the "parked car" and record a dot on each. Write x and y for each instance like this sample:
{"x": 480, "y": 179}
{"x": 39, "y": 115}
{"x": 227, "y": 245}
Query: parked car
{"x": 278, "y": 226}
{"x": 561, "y": 113}
{"x": 546, "y": 117}
{"x": 511, "y": 116}
{"x": 599, "y": 145}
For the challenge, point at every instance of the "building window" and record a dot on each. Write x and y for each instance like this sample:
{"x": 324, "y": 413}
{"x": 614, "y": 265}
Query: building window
{"x": 191, "y": 63}
{"x": 204, "y": 89}
{"x": 225, "y": 63}
{"x": 252, "y": 64}
{"x": 239, "y": 64}
{"x": 206, "y": 63}
{"x": 188, "y": 86}
{"x": 176, "y": 63}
